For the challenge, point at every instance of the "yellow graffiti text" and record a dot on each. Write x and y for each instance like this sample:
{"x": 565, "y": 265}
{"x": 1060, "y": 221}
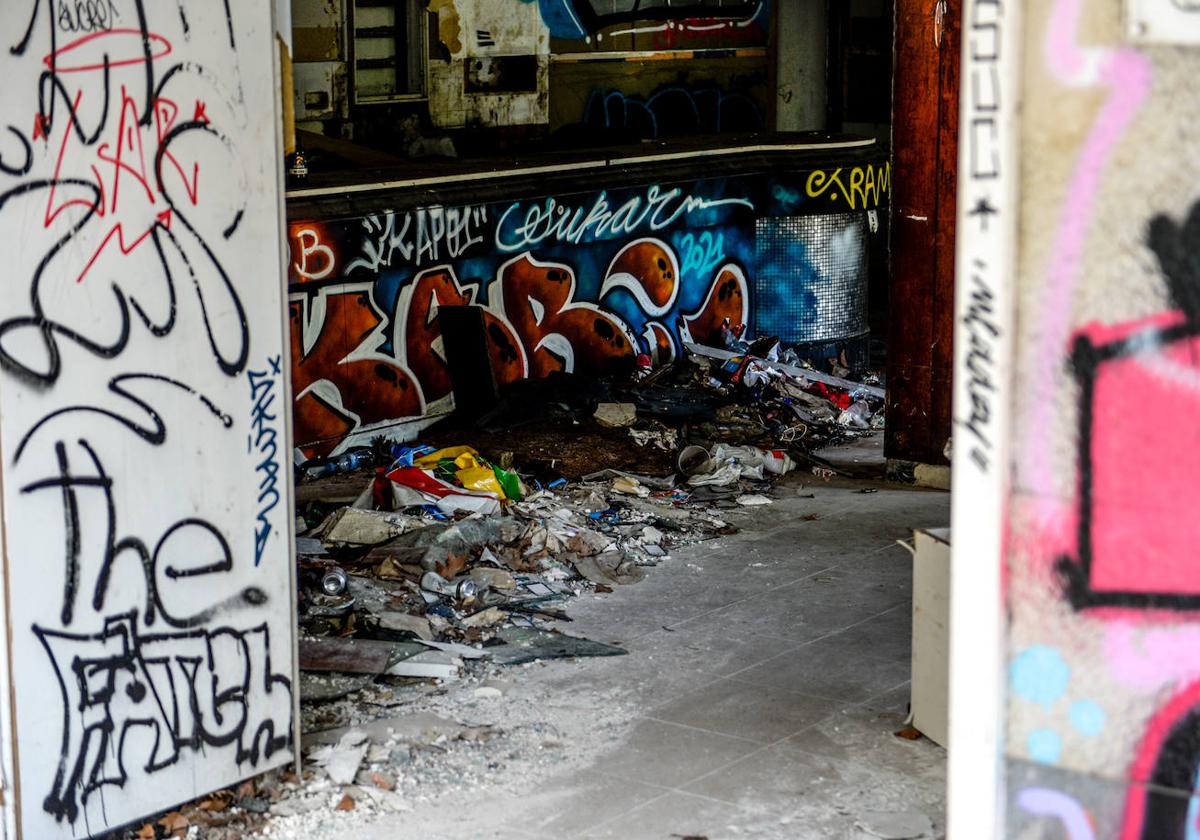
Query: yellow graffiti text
{"x": 868, "y": 185}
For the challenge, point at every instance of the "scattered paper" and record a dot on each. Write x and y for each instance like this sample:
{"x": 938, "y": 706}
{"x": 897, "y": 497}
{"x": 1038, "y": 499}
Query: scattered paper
{"x": 753, "y": 500}
{"x": 341, "y": 761}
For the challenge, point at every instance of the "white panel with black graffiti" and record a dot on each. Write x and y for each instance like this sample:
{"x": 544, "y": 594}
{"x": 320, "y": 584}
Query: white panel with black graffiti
{"x": 143, "y": 434}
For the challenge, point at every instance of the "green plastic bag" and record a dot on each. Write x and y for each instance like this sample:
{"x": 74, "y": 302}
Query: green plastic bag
{"x": 511, "y": 483}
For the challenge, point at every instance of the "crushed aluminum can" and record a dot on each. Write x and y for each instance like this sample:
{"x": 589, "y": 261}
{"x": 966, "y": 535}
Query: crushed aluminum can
{"x": 334, "y": 581}
{"x": 463, "y": 590}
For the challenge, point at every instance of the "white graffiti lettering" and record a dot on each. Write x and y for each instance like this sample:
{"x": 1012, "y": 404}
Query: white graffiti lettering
{"x": 526, "y": 225}
{"x": 311, "y": 246}
{"x": 420, "y": 237}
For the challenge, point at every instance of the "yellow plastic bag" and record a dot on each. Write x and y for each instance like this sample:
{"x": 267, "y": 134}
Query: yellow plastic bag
{"x": 468, "y": 460}
{"x": 451, "y": 452}
{"x": 482, "y": 479}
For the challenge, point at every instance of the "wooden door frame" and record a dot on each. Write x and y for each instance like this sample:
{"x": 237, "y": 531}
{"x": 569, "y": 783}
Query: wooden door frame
{"x": 925, "y": 149}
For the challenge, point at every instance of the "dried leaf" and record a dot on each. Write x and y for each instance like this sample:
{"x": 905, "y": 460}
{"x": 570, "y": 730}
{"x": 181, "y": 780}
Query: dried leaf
{"x": 389, "y": 569}
{"x": 909, "y": 733}
{"x": 455, "y": 565}
{"x": 246, "y": 789}
{"x": 214, "y": 804}
{"x": 383, "y": 782}
{"x": 347, "y": 804}
{"x": 146, "y": 832}
{"x": 810, "y": 517}
{"x": 521, "y": 563}
{"x": 601, "y": 588}
{"x": 174, "y": 821}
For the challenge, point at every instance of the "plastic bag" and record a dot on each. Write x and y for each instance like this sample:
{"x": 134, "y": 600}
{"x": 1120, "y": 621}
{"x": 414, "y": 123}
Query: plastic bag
{"x": 446, "y": 496}
{"x": 452, "y": 453}
{"x": 778, "y": 462}
{"x": 857, "y": 416}
{"x": 482, "y": 480}
{"x": 510, "y": 483}
{"x": 403, "y": 456}
{"x": 748, "y": 459}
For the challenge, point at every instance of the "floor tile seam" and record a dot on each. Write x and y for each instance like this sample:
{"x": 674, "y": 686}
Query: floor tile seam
{"x": 765, "y": 685}
{"x": 647, "y": 714}
{"x": 600, "y": 825}
{"x": 894, "y": 542}
{"x": 711, "y": 677}
{"x": 790, "y": 582}
{"x": 828, "y": 635}
{"x": 841, "y": 568}
{"x": 702, "y": 730}
{"x": 694, "y": 795}
{"x": 753, "y": 637}
{"x": 668, "y": 789}
{"x": 728, "y": 803}
{"x": 874, "y": 616}
{"x": 740, "y": 676}
{"x": 805, "y": 695}
{"x": 855, "y": 705}
{"x": 739, "y": 638}
{"x": 808, "y": 695}
{"x": 715, "y": 770}
{"x": 808, "y": 726}
{"x": 708, "y": 677}
{"x": 902, "y": 598}
{"x": 743, "y": 600}
{"x": 847, "y": 707}
{"x": 615, "y": 777}
{"x": 848, "y": 565}
{"x": 883, "y": 612}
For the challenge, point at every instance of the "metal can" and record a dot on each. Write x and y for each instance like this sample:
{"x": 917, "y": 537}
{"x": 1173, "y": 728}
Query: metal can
{"x": 334, "y": 582}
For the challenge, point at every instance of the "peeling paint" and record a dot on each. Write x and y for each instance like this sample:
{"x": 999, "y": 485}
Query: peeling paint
{"x": 449, "y": 27}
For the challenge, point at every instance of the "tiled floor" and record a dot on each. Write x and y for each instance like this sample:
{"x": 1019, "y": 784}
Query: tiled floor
{"x": 769, "y": 672}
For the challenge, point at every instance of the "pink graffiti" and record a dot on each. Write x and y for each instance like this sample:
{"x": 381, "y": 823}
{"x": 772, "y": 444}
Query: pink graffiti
{"x": 1153, "y": 658}
{"x": 1127, "y": 74}
{"x": 1044, "y": 802}
{"x": 1138, "y": 541}
{"x": 129, "y": 157}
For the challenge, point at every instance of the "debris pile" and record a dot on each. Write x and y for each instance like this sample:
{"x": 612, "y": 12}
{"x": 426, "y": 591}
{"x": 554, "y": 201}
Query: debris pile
{"x": 797, "y": 404}
{"x": 453, "y": 553}
{"x": 447, "y": 557}
{"x": 428, "y": 570}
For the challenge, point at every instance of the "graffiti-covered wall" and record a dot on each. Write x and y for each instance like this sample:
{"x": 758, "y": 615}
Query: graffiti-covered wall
{"x": 574, "y": 281}
{"x": 652, "y": 99}
{"x": 1102, "y": 585}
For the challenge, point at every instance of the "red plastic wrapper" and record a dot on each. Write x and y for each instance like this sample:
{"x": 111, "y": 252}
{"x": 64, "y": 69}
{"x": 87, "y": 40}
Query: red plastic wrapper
{"x": 839, "y": 398}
